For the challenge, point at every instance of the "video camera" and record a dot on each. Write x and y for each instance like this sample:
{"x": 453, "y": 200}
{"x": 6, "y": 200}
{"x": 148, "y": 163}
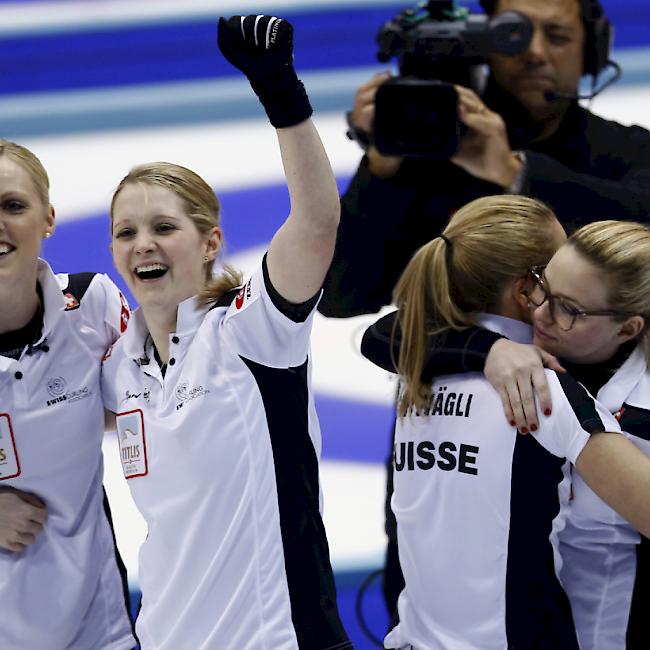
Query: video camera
{"x": 437, "y": 45}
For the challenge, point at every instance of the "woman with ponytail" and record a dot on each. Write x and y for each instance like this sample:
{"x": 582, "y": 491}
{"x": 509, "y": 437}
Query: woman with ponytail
{"x": 488, "y": 244}
{"x": 479, "y": 507}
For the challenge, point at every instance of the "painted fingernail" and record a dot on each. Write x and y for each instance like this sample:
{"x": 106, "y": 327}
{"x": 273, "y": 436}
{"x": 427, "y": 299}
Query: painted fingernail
{"x": 512, "y": 423}
{"x": 533, "y": 427}
{"x": 547, "y": 411}
{"x": 523, "y": 430}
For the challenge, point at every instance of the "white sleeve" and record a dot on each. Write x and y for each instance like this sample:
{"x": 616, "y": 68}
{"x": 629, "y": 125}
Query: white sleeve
{"x": 576, "y": 415}
{"x": 108, "y": 381}
{"x": 116, "y": 317}
{"x": 598, "y": 551}
{"x": 116, "y": 312}
{"x": 259, "y": 331}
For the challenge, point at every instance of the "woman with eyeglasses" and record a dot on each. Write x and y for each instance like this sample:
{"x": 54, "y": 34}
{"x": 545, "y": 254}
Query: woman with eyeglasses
{"x": 592, "y": 310}
{"x": 479, "y": 507}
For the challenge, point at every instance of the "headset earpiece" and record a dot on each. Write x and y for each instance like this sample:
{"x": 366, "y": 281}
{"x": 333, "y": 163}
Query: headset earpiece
{"x": 598, "y": 37}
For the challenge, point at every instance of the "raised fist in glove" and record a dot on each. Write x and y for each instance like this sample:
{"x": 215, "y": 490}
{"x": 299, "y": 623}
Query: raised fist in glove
{"x": 262, "y": 48}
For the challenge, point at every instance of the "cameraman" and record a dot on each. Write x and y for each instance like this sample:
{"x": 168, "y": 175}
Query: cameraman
{"x": 527, "y": 134}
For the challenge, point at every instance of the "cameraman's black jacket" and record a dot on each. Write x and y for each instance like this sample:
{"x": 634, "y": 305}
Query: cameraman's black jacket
{"x": 589, "y": 170}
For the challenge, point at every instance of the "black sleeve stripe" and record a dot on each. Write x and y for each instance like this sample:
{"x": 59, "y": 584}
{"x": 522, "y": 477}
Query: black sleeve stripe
{"x": 635, "y": 421}
{"x": 297, "y": 312}
{"x": 120, "y": 563}
{"x": 376, "y": 343}
{"x": 582, "y": 403}
{"x": 78, "y": 284}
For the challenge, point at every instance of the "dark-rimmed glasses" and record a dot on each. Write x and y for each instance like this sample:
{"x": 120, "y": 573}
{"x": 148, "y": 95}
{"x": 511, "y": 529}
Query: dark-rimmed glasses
{"x": 563, "y": 312}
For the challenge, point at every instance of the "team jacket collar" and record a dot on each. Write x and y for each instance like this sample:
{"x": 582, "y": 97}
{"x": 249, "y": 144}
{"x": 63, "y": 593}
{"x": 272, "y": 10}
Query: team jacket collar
{"x": 616, "y": 391}
{"x": 515, "y": 330}
{"x": 52, "y": 297}
{"x": 188, "y": 318}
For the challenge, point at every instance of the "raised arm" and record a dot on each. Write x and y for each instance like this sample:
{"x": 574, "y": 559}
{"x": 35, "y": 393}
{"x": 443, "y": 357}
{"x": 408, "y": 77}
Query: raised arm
{"x": 301, "y": 250}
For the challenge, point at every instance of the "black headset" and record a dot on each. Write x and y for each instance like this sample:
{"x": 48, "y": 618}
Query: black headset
{"x": 598, "y": 34}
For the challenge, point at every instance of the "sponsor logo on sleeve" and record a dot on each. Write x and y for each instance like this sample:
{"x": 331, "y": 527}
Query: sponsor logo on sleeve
{"x": 125, "y": 314}
{"x": 70, "y": 302}
{"x": 243, "y": 295}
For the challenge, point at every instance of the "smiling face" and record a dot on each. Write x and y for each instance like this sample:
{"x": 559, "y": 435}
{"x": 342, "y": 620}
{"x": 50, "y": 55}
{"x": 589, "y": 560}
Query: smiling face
{"x": 24, "y": 222}
{"x": 570, "y": 276}
{"x": 553, "y": 61}
{"x": 157, "y": 248}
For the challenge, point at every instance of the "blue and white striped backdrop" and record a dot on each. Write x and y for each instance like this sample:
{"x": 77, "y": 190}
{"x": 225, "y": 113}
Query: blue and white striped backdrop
{"x": 94, "y": 87}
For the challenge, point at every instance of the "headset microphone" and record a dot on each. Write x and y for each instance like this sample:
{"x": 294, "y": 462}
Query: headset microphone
{"x": 552, "y": 96}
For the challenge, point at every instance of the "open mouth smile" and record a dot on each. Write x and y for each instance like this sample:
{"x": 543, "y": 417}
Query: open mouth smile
{"x": 5, "y": 249}
{"x": 151, "y": 271}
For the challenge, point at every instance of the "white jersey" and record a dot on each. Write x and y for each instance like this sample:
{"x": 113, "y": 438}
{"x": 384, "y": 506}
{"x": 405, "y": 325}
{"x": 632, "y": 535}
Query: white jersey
{"x": 605, "y": 569}
{"x": 64, "y": 591}
{"x": 478, "y": 508}
{"x": 222, "y": 460}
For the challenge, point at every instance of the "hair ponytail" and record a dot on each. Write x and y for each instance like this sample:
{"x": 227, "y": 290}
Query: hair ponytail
{"x": 487, "y": 243}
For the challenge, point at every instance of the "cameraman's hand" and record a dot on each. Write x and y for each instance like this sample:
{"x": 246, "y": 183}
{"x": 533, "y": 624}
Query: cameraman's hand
{"x": 22, "y": 516}
{"x": 484, "y": 151}
{"x": 363, "y": 118}
{"x": 363, "y": 110}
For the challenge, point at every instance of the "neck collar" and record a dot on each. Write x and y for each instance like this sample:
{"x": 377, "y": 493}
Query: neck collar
{"x": 189, "y": 317}
{"x": 515, "y": 330}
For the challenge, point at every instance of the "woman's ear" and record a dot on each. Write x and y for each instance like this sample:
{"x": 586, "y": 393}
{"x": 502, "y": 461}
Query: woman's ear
{"x": 520, "y": 292}
{"x": 49, "y": 219}
{"x": 214, "y": 243}
{"x": 631, "y": 328}
{"x": 513, "y": 301}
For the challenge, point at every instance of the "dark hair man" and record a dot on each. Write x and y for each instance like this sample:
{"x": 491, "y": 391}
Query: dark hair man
{"x": 527, "y": 134}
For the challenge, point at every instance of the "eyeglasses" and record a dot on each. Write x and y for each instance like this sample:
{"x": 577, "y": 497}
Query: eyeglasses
{"x": 563, "y": 313}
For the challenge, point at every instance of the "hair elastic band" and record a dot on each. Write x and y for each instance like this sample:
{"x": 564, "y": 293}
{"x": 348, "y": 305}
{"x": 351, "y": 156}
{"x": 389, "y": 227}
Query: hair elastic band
{"x": 446, "y": 240}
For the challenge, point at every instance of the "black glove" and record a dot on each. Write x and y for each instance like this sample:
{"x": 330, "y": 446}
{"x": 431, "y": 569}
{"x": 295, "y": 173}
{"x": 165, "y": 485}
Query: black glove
{"x": 262, "y": 48}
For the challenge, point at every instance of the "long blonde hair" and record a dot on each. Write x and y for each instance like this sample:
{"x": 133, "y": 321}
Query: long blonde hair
{"x": 621, "y": 250}
{"x": 203, "y": 208}
{"x": 31, "y": 164}
{"x": 488, "y": 243}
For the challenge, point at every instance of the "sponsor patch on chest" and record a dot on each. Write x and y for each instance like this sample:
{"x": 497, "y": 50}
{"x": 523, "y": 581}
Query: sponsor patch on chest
{"x": 133, "y": 444}
{"x": 58, "y": 391}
